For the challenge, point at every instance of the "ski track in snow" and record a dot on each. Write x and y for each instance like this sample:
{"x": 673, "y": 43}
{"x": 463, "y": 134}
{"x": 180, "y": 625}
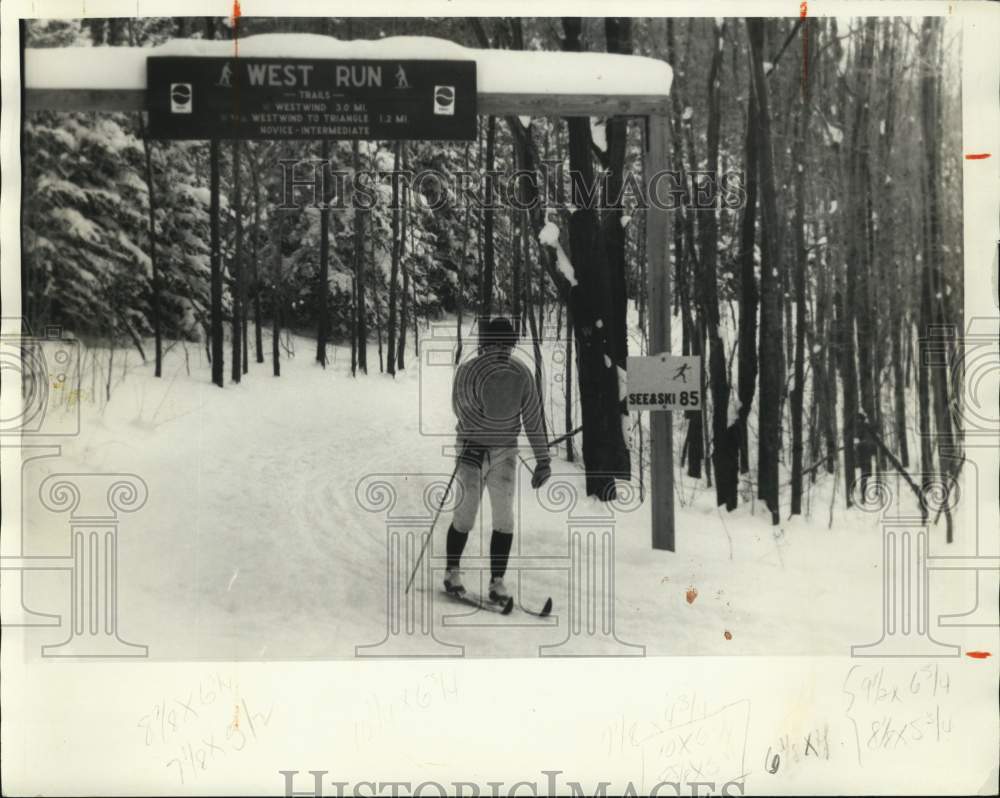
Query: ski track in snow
{"x": 257, "y": 481}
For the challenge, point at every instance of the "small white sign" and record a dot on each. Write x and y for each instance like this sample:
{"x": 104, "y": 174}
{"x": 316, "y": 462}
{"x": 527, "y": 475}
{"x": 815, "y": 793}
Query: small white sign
{"x": 444, "y": 100}
{"x": 180, "y": 98}
{"x": 664, "y": 382}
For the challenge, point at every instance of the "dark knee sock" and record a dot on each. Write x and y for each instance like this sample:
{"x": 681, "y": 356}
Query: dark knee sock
{"x": 499, "y": 552}
{"x": 455, "y": 545}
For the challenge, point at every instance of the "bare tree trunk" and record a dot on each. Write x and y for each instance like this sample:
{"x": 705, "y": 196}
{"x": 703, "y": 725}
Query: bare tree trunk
{"x": 245, "y": 341}
{"x": 404, "y": 307}
{"x": 415, "y": 313}
{"x": 372, "y": 273}
{"x": 703, "y": 388}
{"x": 323, "y": 278}
{"x": 244, "y": 301}
{"x": 749, "y": 297}
{"x": 933, "y": 253}
{"x": 540, "y": 296}
{"x": 131, "y": 334}
{"x": 535, "y": 340}
{"x": 823, "y": 433}
{"x": 798, "y": 391}
{"x": 361, "y": 220}
{"x": 257, "y": 313}
{"x": 896, "y": 309}
{"x": 899, "y": 394}
{"x": 480, "y": 223}
{"x": 618, "y": 37}
{"x": 111, "y": 363}
{"x": 831, "y": 382}
{"x": 276, "y": 295}
{"x": 685, "y": 265}
{"x": 725, "y": 447}
{"x": 860, "y": 261}
{"x": 489, "y": 252}
{"x": 641, "y": 291}
{"x": 404, "y": 304}
{"x": 570, "y": 454}
{"x": 770, "y": 305}
{"x": 237, "y": 320}
{"x": 378, "y": 327}
{"x": 218, "y": 367}
{"x": 516, "y": 290}
{"x": 354, "y": 325}
{"x": 153, "y": 260}
{"x": 605, "y": 455}
{"x": 460, "y": 293}
{"x": 394, "y": 273}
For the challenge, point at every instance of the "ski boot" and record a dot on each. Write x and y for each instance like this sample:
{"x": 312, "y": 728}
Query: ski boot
{"x": 453, "y": 581}
{"x": 498, "y": 591}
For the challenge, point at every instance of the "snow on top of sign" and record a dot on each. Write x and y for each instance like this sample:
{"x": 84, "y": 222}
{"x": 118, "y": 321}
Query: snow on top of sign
{"x": 498, "y": 71}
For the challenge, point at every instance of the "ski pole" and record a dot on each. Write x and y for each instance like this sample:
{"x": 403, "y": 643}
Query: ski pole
{"x": 427, "y": 540}
{"x": 561, "y": 438}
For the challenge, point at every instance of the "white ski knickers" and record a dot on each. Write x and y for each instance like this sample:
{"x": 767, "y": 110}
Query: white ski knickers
{"x": 498, "y": 472}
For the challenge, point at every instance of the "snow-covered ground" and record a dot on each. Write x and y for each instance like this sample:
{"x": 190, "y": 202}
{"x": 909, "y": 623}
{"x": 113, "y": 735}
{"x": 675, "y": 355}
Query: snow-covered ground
{"x": 253, "y": 545}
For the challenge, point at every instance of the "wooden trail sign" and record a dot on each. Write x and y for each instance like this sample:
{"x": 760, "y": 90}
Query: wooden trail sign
{"x": 310, "y": 98}
{"x": 664, "y": 382}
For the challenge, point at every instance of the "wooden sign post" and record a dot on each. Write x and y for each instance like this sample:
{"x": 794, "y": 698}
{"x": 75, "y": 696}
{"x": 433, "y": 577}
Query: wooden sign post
{"x": 661, "y": 448}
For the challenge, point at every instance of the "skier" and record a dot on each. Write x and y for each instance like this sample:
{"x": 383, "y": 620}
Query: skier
{"x": 492, "y": 395}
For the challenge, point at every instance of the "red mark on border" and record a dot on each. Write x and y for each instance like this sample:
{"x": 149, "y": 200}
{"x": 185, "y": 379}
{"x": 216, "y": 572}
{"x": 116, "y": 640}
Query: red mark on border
{"x": 803, "y": 13}
{"x": 977, "y": 156}
{"x": 235, "y": 18}
{"x": 978, "y": 654}
{"x": 691, "y": 595}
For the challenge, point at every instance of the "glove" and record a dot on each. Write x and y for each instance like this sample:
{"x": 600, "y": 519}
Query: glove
{"x": 542, "y": 473}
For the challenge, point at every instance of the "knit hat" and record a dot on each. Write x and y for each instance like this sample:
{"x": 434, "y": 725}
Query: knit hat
{"x": 499, "y": 331}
